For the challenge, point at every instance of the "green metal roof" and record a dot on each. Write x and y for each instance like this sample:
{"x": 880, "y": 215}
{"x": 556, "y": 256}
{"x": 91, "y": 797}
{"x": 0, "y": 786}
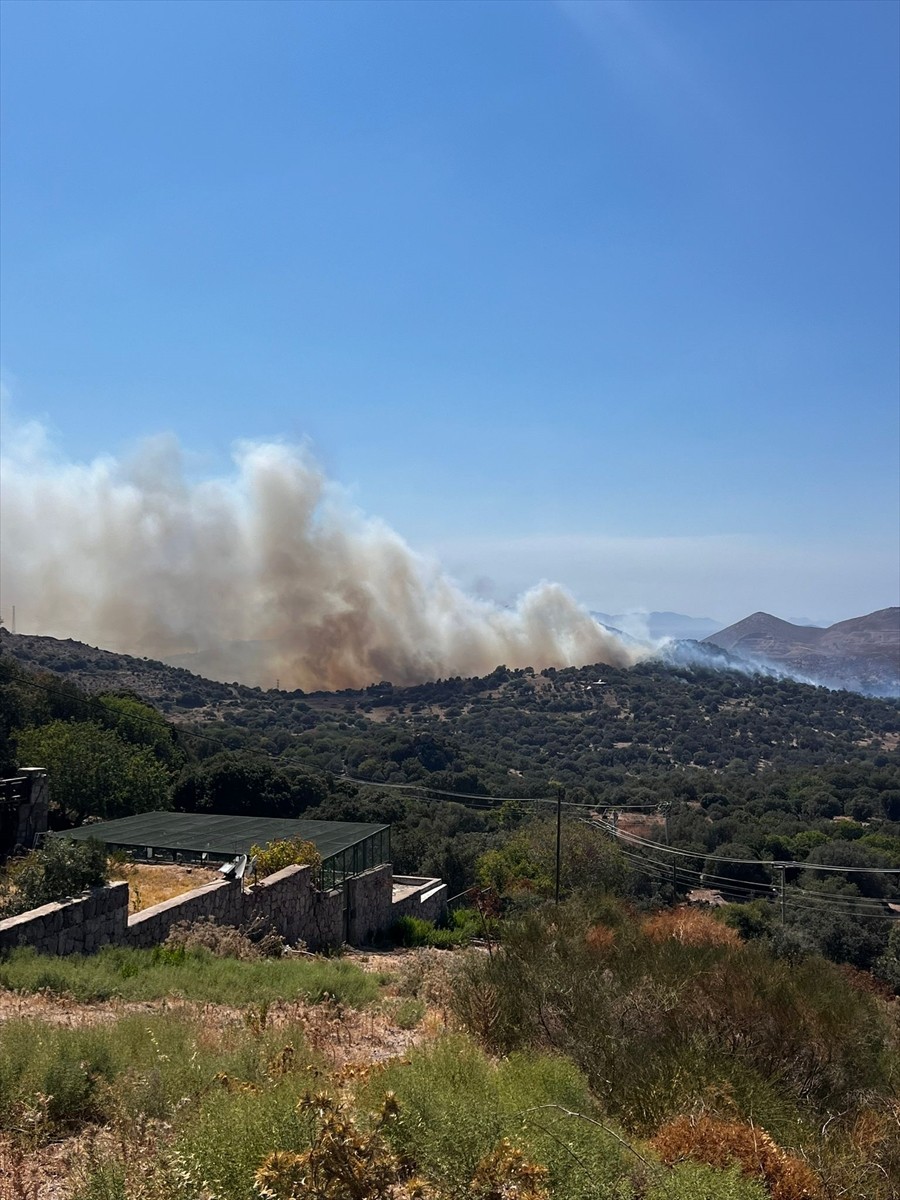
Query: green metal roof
{"x": 220, "y": 836}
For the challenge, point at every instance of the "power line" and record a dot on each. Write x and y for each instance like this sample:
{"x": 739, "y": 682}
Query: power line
{"x": 839, "y": 905}
{"x": 424, "y": 787}
{"x": 636, "y": 840}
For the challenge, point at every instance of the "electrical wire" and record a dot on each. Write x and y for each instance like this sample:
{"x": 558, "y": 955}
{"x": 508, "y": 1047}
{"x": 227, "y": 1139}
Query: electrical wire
{"x": 636, "y": 840}
{"x": 861, "y": 906}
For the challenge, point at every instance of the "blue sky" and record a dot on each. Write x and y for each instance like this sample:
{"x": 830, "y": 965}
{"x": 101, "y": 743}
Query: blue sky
{"x": 599, "y": 292}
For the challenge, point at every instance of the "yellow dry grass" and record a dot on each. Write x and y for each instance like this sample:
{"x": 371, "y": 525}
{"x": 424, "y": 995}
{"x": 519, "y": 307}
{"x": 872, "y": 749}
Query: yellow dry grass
{"x": 151, "y": 883}
{"x": 721, "y": 1143}
{"x": 691, "y": 927}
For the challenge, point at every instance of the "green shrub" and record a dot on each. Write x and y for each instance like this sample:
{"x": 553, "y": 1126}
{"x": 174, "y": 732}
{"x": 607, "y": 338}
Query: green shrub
{"x": 54, "y": 1078}
{"x": 58, "y": 869}
{"x": 413, "y": 931}
{"x": 408, "y": 1013}
{"x": 148, "y": 1067}
{"x": 221, "y": 1145}
{"x": 287, "y": 852}
{"x": 696, "y": 1181}
{"x": 455, "y": 1105}
{"x": 672, "y": 1023}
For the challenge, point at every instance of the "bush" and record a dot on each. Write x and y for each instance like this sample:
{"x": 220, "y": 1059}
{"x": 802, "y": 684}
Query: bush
{"x": 673, "y": 1022}
{"x": 722, "y": 1143}
{"x": 224, "y": 1143}
{"x": 887, "y": 967}
{"x": 58, "y": 869}
{"x": 250, "y": 943}
{"x": 287, "y": 852}
{"x": 454, "y": 1107}
{"x": 690, "y": 927}
{"x": 150, "y": 1067}
{"x": 413, "y": 931}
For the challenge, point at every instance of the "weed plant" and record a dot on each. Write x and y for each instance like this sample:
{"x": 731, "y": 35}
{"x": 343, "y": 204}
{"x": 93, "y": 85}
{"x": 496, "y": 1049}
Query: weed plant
{"x": 195, "y": 1110}
{"x": 454, "y": 1107}
{"x": 220, "y": 1147}
{"x": 55, "y": 1079}
{"x": 196, "y": 974}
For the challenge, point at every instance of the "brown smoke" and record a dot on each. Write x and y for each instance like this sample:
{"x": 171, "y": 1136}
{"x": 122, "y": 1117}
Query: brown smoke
{"x": 267, "y": 574}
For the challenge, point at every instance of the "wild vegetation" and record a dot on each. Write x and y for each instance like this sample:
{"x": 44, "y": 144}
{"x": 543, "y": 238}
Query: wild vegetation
{"x": 592, "y": 1053}
{"x": 54, "y": 871}
{"x": 187, "y": 972}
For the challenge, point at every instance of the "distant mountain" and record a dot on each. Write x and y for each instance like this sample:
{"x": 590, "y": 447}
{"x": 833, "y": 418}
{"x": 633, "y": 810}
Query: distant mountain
{"x": 862, "y": 653}
{"x": 656, "y": 625}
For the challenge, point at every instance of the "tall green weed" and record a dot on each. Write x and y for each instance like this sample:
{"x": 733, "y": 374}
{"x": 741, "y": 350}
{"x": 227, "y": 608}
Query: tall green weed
{"x": 150, "y": 1067}
{"x": 198, "y": 975}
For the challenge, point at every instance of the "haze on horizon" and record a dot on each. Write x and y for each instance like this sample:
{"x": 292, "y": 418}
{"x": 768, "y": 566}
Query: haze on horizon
{"x": 598, "y": 294}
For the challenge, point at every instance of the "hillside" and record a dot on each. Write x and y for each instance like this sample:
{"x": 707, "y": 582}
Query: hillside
{"x": 511, "y": 729}
{"x": 862, "y": 653}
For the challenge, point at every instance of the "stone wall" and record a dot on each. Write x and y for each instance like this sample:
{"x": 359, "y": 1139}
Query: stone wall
{"x": 79, "y": 926}
{"x": 24, "y": 806}
{"x": 369, "y": 904}
{"x": 286, "y": 902}
{"x": 427, "y": 900}
{"x": 34, "y": 813}
{"x": 289, "y": 903}
{"x": 219, "y": 900}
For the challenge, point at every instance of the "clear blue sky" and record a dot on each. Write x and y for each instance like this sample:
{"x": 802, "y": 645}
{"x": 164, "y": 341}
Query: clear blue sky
{"x": 601, "y": 292}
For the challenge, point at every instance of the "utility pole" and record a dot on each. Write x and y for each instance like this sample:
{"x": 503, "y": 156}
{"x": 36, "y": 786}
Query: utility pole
{"x": 781, "y": 868}
{"x": 560, "y": 792}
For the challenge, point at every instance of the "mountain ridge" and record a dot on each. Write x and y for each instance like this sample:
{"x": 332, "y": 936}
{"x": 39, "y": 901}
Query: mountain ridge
{"x": 861, "y": 653}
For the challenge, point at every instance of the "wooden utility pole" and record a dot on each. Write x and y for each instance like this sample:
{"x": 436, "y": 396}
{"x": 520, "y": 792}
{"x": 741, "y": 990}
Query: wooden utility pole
{"x": 781, "y": 868}
{"x": 560, "y": 792}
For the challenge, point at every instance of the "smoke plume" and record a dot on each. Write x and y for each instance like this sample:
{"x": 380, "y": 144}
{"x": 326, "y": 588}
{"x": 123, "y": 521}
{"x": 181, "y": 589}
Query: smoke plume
{"x": 266, "y": 574}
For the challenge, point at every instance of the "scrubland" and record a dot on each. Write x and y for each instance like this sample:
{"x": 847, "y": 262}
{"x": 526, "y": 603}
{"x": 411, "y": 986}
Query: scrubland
{"x": 589, "y": 1051}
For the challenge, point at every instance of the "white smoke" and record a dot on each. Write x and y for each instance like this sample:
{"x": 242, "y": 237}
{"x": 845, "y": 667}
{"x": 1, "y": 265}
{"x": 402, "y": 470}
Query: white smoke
{"x": 266, "y": 574}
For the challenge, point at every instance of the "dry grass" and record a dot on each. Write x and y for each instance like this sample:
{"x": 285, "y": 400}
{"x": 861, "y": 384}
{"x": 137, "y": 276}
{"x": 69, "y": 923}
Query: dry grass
{"x": 691, "y": 927}
{"x": 151, "y": 883}
{"x": 721, "y": 1143}
{"x": 600, "y": 938}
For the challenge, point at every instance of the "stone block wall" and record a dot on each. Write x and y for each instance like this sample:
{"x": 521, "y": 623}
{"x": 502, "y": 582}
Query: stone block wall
{"x": 34, "y": 813}
{"x": 286, "y": 901}
{"x": 97, "y": 918}
{"x": 220, "y": 900}
{"x": 24, "y": 806}
{"x": 370, "y": 907}
{"x": 289, "y": 902}
{"x": 428, "y": 902}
